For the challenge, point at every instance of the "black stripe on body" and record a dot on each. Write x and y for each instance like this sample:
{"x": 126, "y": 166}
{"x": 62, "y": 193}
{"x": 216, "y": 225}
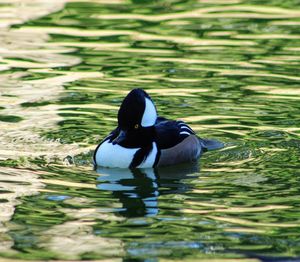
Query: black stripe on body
{"x": 170, "y": 133}
{"x": 184, "y": 127}
{"x": 140, "y": 156}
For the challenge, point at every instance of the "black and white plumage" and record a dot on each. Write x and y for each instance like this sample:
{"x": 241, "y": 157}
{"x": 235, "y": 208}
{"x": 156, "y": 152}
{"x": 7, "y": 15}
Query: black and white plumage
{"x": 143, "y": 140}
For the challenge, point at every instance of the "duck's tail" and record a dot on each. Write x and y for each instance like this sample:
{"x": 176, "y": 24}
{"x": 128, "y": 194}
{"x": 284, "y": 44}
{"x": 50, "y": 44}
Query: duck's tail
{"x": 209, "y": 144}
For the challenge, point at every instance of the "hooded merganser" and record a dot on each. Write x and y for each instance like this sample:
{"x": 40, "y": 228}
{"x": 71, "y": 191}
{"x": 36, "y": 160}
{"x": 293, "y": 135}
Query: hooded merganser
{"x": 143, "y": 140}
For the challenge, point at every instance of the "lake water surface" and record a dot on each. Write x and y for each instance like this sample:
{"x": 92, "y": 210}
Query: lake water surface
{"x": 229, "y": 68}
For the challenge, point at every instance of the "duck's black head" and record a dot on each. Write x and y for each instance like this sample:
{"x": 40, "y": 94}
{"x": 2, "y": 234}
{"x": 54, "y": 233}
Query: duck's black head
{"x": 136, "y": 115}
{"x": 137, "y": 109}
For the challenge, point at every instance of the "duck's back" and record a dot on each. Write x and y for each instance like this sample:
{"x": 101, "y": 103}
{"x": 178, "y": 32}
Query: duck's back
{"x": 177, "y": 143}
{"x": 188, "y": 150}
{"x": 170, "y": 133}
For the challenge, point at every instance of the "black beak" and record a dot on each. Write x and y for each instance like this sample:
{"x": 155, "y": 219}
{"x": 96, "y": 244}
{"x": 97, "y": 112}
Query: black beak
{"x": 121, "y": 137}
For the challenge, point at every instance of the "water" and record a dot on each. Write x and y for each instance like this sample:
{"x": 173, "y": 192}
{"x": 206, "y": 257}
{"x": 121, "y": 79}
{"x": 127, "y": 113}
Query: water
{"x": 230, "y": 69}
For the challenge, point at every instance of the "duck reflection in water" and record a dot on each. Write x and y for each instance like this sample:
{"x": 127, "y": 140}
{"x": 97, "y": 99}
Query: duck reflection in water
{"x": 139, "y": 189}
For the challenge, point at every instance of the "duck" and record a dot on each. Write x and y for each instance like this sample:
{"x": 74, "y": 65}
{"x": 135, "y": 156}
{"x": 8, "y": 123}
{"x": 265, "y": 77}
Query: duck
{"x": 142, "y": 139}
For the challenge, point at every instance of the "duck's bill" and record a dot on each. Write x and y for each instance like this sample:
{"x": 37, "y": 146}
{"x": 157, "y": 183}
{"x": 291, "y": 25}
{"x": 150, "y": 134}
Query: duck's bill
{"x": 120, "y": 138}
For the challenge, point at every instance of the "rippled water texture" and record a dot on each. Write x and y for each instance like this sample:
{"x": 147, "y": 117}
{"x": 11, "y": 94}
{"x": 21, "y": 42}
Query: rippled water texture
{"x": 229, "y": 68}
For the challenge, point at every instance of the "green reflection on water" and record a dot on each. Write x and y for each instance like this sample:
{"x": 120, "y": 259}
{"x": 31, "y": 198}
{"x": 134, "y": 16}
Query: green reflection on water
{"x": 10, "y": 118}
{"x": 228, "y": 68}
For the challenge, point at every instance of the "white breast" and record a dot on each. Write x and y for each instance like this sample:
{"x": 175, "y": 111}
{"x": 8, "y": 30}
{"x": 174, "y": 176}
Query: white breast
{"x": 109, "y": 155}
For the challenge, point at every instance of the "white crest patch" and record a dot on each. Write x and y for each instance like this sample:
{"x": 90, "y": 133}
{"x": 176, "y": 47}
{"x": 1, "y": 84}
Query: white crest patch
{"x": 150, "y": 115}
{"x": 109, "y": 155}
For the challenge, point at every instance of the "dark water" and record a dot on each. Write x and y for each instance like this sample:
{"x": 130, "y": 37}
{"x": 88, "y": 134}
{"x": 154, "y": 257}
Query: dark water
{"x": 230, "y": 69}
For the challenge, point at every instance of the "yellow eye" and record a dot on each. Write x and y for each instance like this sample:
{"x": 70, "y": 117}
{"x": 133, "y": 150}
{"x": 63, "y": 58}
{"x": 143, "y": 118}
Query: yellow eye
{"x": 136, "y": 126}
